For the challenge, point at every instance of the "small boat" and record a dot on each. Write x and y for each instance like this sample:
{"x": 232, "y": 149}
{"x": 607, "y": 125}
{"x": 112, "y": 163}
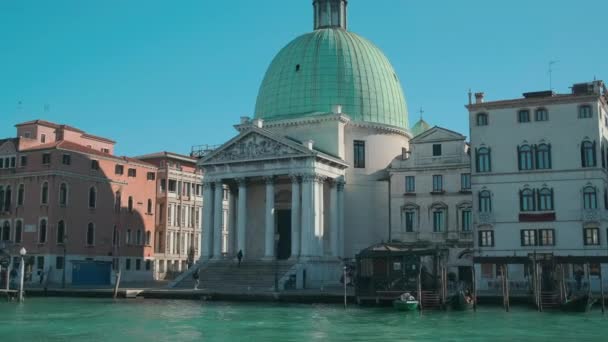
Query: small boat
{"x": 461, "y": 302}
{"x": 578, "y": 304}
{"x": 405, "y": 302}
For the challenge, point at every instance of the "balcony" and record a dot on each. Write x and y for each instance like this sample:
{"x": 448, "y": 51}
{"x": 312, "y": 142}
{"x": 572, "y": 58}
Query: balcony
{"x": 484, "y": 218}
{"x": 591, "y": 215}
{"x": 440, "y": 160}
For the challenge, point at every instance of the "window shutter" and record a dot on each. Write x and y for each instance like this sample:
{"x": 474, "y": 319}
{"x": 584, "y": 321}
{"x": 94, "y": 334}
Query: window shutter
{"x": 535, "y": 234}
{"x": 476, "y": 159}
{"x": 519, "y": 158}
{"x": 534, "y": 156}
{"x": 521, "y": 237}
{"x": 594, "y": 159}
{"x": 489, "y": 159}
{"x": 521, "y": 201}
{"x": 479, "y": 239}
{"x": 549, "y": 156}
{"x": 535, "y": 199}
{"x": 583, "y": 163}
{"x": 552, "y": 201}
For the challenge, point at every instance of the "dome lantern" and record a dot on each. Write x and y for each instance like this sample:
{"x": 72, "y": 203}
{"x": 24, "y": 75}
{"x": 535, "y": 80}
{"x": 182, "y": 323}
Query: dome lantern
{"x": 330, "y": 14}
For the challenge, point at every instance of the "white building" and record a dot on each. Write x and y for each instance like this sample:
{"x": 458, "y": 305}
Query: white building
{"x": 539, "y": 178}
{"x": 431, "y": 198}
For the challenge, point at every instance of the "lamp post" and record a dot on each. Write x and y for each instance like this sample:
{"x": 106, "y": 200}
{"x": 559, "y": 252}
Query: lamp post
{"x": 22, "y": 269}
{"x": 65, "y": 247}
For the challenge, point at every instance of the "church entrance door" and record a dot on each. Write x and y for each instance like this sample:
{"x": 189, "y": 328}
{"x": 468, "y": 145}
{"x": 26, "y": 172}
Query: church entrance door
{"x": 284, "y": 231}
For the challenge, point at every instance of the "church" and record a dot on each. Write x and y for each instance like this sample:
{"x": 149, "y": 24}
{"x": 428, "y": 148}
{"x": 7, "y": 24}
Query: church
{"x": 307, "y": 173}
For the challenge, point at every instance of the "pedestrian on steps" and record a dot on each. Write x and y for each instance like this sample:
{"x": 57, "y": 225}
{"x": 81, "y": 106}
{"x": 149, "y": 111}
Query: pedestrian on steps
{"x": 239, "y": 256}
{"x": 195, "y": 277}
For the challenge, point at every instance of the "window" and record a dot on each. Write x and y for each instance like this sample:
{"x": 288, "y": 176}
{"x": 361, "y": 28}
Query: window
{"x": 523, "y": 115}
{"x": 148, "y": 265}
{"x": 128, "y": 237}
{"x": 588, "y": 154}
{"x": 486, "y": 238}
{"x": 115, "y": 236}
{"x": 525, "y": 157}
{"x": 465, "y": 220}
{"x": 130, "y": 204}
{"x": 91, "y": 234}
{"x": 410, "y": 184}
{"x": 44, "y": 193}
{"x": 485, "y": 201}
{"x": 7, "y": 199}
{"x": 6, "y": 231}
{"x": 149, "y": 206}
{"x": 545, "y": 199}
{"x": 94, "y": 164}
{"x": 46, "y": 158}
{"x": 465, "y": 181}
{"x": 163, "y": 185}
{"x": 138, "y": 237}
{"x": 132, "y": 173}
{"x": 437, "y": 183}
{"x": 127, "y": 264}
{"x": 20, "y": 194}
{"x": 482, "y": 119}
{"x": 438, "y": 221}
{"x": 137, "y": 264}
{"x": 59, "y": 261}
{"x": 150, "y": 176}
{"x": 436, "y": 150}
{"x": 60, "y": 232}
{"x": 66, "y": 159}
{"x": 117, "y": 200}
{"x": 585, "y": 112}
{"x": 409, "y": 221}
{"x": 92, "y": 197}
{"x": 63, "y": 194}
{"x": 543, "y": 156}
{"x": 528, "y": 237}
{"x": 359, "y": 159}
{"x": 172, "y": 185}
{"x": 23, "y": 161}
{"x": 483, "y": 162}
{"x": 541, "y": 114}
{"x": 43, "y": 138}
{"x": 148, "y": 238}
{"x": 42, "y": 232}
{"x": 591, "y": 236}
{"x": 105, "y": 150}
{"x": 119, "y": 169}
{"x": 526, "y": 200}
{"x": 546, "y": 237}
{"x": 589, "y": 198}
{"x": 18, "y": 230}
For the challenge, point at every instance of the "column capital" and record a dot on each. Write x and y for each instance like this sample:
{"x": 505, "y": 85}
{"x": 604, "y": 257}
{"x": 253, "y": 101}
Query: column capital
{"x": 269, "y": 180}
{"x": 295, "y": 177}
{"x": 340, "y": 183}
{"x": 241, "y": 181}
{"x": 320, "y": 178}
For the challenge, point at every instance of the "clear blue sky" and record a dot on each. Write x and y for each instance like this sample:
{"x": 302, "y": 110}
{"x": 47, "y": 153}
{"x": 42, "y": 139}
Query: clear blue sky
{"x": 165, "y": 75}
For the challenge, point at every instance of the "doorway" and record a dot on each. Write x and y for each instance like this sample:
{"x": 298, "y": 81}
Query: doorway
{"x": 284, "y": 231}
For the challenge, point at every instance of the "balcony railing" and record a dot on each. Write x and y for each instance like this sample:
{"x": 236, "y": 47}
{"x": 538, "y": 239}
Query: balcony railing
{"x": 591, "y": 215}
{"x": 484, "y": 218}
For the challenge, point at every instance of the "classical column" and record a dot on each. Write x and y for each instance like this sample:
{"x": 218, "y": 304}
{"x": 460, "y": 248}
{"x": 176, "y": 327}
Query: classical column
{"x": 242, "y": 216}
{"x": 207, "y": 222}
{"x": 319, "y": 216}
{"x": 295, "y": 216}
{"x": 218, "y": 207}
{"x": 307, "y": 216}
{"x": 269, "y": 232}
{"x": 341, "y": 239}
{"x": 334, "y": 217}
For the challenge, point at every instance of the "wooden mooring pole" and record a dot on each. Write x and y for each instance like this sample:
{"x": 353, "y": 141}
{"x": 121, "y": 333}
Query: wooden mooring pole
{"x": 420, "y": 286}
{"x": 474, "y": 282}
{"x": 117, "y": 284}
{"x": 507, "y": 289}
{"x": 602, "y": 290}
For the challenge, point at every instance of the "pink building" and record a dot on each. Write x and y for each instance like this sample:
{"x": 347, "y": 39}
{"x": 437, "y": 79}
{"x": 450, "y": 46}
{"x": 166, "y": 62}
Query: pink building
{"x": 80, "y": 211}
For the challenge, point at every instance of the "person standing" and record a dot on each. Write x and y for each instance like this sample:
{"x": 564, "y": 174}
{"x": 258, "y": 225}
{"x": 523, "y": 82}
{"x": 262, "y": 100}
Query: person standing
{"x": 239, "y": 256}
{"x": 195, "y": 277}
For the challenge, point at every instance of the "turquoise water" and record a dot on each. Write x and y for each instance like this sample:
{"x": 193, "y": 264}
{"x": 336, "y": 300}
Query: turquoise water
{"x": 59, "y": 319}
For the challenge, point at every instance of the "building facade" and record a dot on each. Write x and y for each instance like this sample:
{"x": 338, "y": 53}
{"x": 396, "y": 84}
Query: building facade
{"x": 431, "y": 202}
{"x": 539, "y": 178}
{"x": 178, "y": 204}
{"x": 80, "y": 211}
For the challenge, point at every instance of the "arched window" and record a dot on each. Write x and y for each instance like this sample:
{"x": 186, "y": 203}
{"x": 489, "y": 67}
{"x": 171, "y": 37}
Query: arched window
{"x": 149, "y": 206}
{"x": 61, "y": 232}
{"x": 130, "y": 204}
{"x": 541, "y": 114}
{"x": 526, "y": 200}
{"x": 6, "y": 231}
{"x": 482, "y": 119}
{"x": 588, "y": 154}
{"x": 148, "y": 238}
{"x": 409, "y": 218}
{"x": 585, "y": 112}
{"x": 18, "y": 230}
{"x": 485, "y": 201}
{"x": 543, "y": 156}
{"x": 7, "y": 198}
{"x": 91, "y": 234}
{"x": 20, "y": 194}
{"x": 439, "y": 213}
{"x": 545, "y": 199}
{"x": 138, "y": 237}
{"x": 1, "y": 197}
{"x": 523, "y": 115}
{"x": 42, "y": 232}
{"x": 44, "y": 194}
{"x": 589, "y": 198}
{"x": 524, "y": 159}
{"x": 483, "y": 159}
{"x": 92, "y": 197}
{"x": 63, "y": 194}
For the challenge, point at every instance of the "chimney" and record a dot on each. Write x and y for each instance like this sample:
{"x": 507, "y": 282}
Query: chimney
{"x": 309, "y": 144}
{"x": 470, "y": 97}
{"x": 259, "y": 123}
{"x": 336, "y": 109}
{"x": 479, "y": 98}
{"x": 244, "y": 120}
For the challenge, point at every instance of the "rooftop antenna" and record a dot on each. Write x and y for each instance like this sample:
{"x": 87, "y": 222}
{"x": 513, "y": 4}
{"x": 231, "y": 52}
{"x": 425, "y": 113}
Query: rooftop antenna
{"x": 470, "y": 97}
{"x": 551, "y": 64}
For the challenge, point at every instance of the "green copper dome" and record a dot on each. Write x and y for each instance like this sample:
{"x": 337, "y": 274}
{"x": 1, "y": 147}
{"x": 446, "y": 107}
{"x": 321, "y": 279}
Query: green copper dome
{"x": 327, "y": 67}
{"x": 420, "y": 127}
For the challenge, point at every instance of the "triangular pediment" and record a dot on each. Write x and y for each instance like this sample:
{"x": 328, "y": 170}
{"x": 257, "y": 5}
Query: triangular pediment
{"x": 437, "y": 134}
{"x": 7, "y": 147}
{"x": 256, "y": 144}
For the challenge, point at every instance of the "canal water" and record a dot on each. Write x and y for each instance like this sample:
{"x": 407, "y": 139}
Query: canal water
{"x": 68, "y": 319}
